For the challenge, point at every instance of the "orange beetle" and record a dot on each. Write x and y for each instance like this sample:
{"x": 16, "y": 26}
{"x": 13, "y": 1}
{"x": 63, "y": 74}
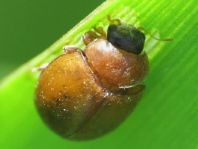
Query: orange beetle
{"x": 85, "y": 94}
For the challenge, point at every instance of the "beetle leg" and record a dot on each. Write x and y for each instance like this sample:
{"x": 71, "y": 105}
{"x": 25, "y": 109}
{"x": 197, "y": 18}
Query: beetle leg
{"x": 100, "y": 31}
{"x": 132, "y": 90}
{"x": 70, "y": 49}
{"x": 114, "y": 21}
{"x": 40, "y": 68}
{"x": 89, "y": 36}
{"x": 138, "y": 89}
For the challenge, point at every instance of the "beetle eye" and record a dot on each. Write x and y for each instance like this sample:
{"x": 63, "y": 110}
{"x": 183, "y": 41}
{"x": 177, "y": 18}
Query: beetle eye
{"x": 126, "y": 37}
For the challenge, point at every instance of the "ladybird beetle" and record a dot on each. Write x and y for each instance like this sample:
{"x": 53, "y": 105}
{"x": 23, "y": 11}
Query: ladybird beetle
{"x": 85, "y": 94}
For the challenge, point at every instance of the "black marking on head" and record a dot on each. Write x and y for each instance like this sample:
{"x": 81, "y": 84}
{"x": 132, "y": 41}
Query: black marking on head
{"x": 126, "y": 37}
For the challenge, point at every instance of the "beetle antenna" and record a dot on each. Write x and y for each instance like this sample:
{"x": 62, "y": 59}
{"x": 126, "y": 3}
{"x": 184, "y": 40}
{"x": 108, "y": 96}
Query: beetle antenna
{"x": 154, "y": 37}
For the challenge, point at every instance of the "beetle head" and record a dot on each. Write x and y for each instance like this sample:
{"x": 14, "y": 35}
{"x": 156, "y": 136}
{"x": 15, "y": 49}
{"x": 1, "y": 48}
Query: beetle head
{"x": 126, "y": 37}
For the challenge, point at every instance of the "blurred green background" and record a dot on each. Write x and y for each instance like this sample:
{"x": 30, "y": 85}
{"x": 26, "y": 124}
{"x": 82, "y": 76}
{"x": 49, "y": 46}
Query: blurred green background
{"x": 29, "y": 26}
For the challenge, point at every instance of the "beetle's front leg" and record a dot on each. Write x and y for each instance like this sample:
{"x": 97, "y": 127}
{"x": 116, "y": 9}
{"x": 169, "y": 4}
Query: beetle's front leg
{"x": 98, "y": 32}
{"x": 89, "y": 36}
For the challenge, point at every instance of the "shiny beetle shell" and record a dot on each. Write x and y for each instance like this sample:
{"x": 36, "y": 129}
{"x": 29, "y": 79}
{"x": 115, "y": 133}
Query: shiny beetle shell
{"x": 85, "y": 94}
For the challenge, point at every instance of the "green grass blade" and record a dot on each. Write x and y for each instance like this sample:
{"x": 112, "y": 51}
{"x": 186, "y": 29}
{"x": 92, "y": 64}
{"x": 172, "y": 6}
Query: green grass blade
{"x": 166, "y": 118}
